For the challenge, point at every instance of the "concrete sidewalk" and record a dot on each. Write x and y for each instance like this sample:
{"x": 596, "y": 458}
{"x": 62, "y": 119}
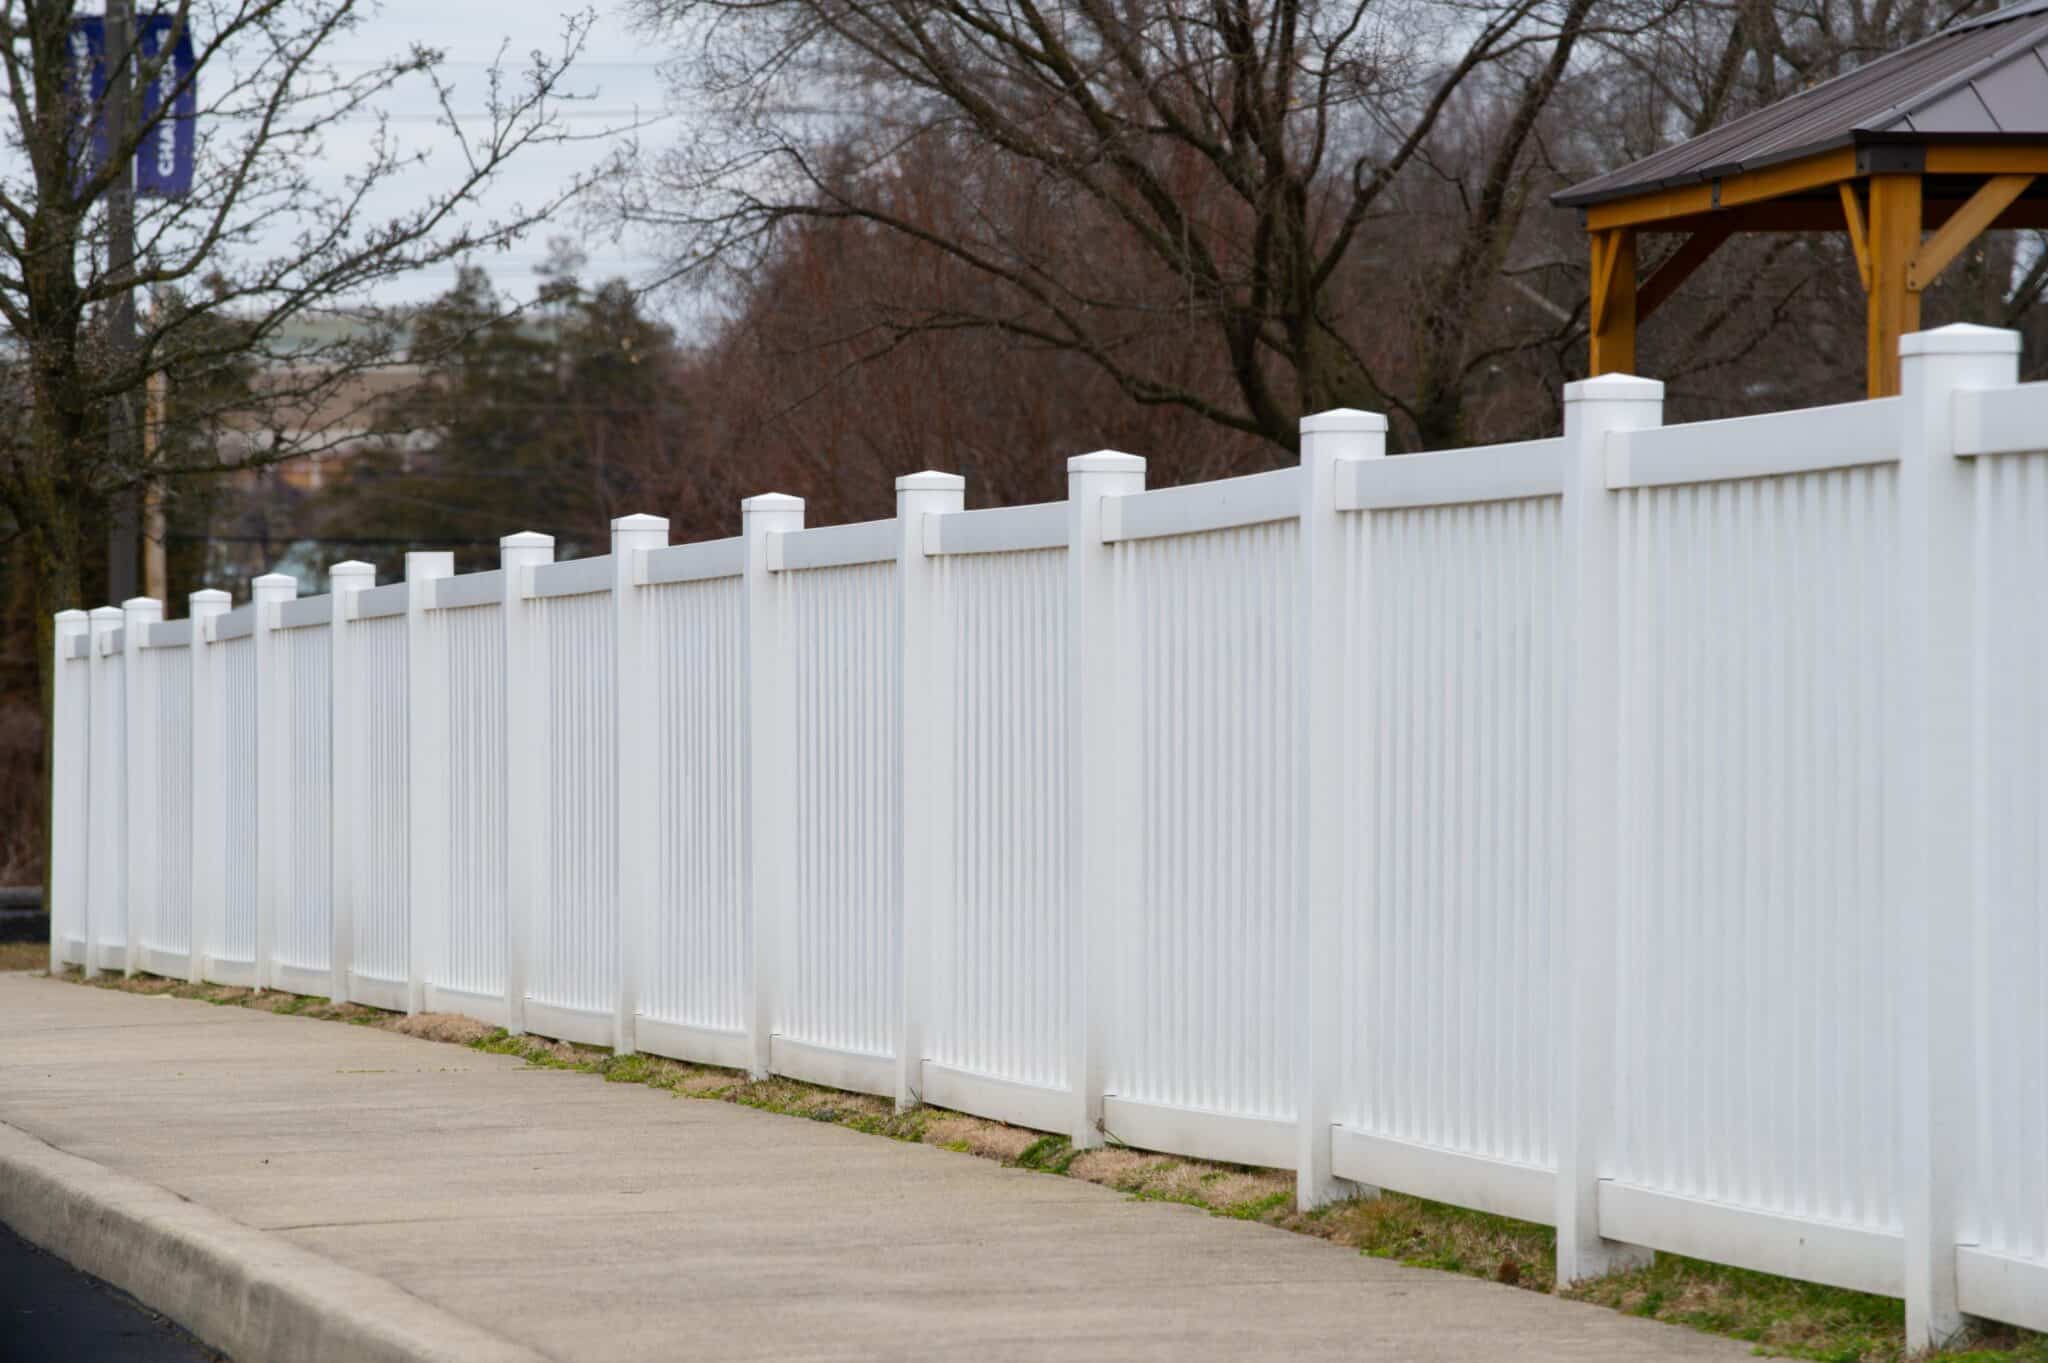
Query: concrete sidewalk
{"x": 591, "y": 1221}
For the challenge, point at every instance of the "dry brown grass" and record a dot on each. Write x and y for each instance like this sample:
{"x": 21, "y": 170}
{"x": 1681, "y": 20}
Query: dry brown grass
{"x": 24, "y": 956}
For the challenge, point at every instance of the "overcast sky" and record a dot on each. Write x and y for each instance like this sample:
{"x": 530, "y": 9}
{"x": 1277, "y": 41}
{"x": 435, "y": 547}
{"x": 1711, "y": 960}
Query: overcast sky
{"x": 618, "y": 70}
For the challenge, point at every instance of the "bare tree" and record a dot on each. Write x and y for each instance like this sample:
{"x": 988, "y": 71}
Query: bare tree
{"x": 260, "y": 243}
{"x": 1250, "y": 153}
{"x": 303, "y": 199}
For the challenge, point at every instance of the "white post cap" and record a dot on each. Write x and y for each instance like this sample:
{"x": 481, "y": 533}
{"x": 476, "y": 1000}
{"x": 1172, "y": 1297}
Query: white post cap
{"x": 1614, "y": 388}
{"x": 1106, "y": 461}
{"x": 1960, "y": 338}
{"x": 1343, "y": 419}
{"x": 931, "y": 480}
{"x": 526, "y": 539}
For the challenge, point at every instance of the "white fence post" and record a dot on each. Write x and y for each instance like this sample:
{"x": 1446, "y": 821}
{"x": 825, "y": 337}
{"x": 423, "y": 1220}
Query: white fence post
{"x": 1101, "y": 783}
{"x": 209, "y": 780}
{"x": 1584, "y": 937}
{"x": 1930, "y": 860}
{"x": 346, "y": 739}
{"x": 138, "y": 613}
{"x": 426, "y": 765}
{"x": 1327, "y": 822}
{"x": 526, "y": 761}
{"x": 273, "y": 764}
{"x": 105, "y": 762}
{"x": 635, "y": 832}
{"x": 771, "y": 763}
{"x": 926, "y": 730}
{"x": 70, "y": 702}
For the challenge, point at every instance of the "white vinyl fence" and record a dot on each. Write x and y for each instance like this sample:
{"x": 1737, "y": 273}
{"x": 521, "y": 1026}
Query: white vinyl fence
{"x": 1638, "y": 831}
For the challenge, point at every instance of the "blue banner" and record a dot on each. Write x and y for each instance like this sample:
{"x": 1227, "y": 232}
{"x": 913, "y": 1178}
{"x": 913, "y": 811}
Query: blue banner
{"x": 165, "y": 155}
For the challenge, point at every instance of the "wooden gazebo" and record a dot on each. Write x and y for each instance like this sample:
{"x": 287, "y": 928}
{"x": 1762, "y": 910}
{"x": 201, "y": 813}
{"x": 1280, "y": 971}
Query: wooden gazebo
{"x": 1944, "y": 138}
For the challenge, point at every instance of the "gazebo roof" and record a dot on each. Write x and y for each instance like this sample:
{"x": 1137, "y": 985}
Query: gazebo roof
{"x": 1982, "y": 80}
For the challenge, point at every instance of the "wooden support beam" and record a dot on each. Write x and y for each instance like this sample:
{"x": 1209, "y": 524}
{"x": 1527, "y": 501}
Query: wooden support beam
{"x": 1893, "y": 308}
{"x": 1978, "y": 212}
{"x": 1613, "y": 338}
{"x": 1679, "y": 265}
{"x": 1859, "y": 234}
{"x": 1825, "y": 215}
{"x": 1730, "y": 191}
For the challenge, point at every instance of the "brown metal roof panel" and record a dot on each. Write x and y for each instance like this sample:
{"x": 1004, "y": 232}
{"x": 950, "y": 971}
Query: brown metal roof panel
{"x": 1958, "y": 111}
{"x": 2012, "y": 91}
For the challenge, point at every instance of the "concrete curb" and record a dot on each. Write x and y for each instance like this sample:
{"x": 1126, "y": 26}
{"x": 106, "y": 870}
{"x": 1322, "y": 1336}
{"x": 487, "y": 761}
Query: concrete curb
{"x": 251, "y": 1294}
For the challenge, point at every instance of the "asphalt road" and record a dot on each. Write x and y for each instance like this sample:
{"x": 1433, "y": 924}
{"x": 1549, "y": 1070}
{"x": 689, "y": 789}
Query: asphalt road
{"x": 52, "y": 1313}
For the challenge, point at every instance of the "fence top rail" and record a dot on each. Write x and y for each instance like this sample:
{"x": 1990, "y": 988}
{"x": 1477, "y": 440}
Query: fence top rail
{"x": 2002, "y": 420}
{"x": 469, "y": 589}
{"x": 1484, "y": 473}
{"x": 832, "y": 546}
{"x": 1809, "y": 440}
{"x": 303, "y": 611}
{"x": 80, "y": 646}
{"x": 168, "y": 634}
{"x": 238, "y": 623}
{"x": 572, "y": 577}
{"x": 373, "y": 603}
{"x": 997, "y": 530}
{"x": 699, "y": 562}
{"x": 1224, "y": 504}
{"x": 112, "y": 641}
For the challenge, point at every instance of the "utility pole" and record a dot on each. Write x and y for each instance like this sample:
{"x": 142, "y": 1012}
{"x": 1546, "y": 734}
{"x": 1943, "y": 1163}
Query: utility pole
{"x": 124, "y": 532}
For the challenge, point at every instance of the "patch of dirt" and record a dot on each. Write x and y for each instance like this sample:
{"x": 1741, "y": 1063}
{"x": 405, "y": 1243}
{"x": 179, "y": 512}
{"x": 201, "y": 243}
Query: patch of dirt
{"x": 450, "y": 1027}
{"x": 1219, "y": 1187}
{"x": 990, "y": 1140}
{"x": 1118, "y": 1167}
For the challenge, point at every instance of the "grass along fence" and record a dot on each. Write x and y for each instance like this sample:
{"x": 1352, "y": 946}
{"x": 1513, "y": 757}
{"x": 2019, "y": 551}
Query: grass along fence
{"x": 1634, "y": 832}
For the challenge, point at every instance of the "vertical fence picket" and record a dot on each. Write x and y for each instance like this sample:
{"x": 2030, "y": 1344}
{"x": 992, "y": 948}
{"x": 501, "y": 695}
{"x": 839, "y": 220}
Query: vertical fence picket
{"x": 526, "y": 761}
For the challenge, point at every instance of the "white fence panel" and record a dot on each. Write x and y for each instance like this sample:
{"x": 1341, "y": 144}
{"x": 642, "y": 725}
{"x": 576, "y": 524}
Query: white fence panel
{"x": 471, "y": 961}
{"x": 1454, "y": 673}
{"x": 168, "y": 931}
{"x": 702, "y": 940}
{"x": 2005, "y": 1201}
{"x": 575, "y": 968}
{"x": 1004, "y": 981}
{"x": 379, "y": 957}
{"x": 305, "y": 930}
{"x": 1207, "y": 950}
{"x": 1756, "y": 1007}
{"x": 842, "y": 949}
